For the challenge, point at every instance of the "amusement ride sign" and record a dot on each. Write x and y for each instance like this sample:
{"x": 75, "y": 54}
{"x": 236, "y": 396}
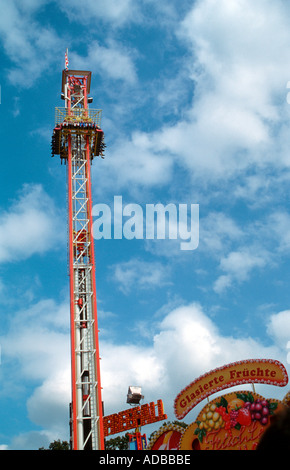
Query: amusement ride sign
{"x": 134, "y": 418}
{"x": 264, "y": 371}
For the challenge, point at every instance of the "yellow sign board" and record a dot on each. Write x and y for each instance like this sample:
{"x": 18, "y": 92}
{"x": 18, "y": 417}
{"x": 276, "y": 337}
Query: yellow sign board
{"x": 264, "y": 371}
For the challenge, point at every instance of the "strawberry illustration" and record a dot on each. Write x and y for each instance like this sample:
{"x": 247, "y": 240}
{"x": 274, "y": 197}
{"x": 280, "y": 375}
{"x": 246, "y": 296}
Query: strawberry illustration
{"x": 244, "y": 417}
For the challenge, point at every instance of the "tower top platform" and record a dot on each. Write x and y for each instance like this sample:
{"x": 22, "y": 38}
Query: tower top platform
{"x": 76, "y": 73}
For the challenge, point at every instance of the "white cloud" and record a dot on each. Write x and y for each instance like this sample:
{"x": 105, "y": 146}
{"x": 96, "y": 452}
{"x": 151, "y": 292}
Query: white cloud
{"x": 113, "y": 61}
{"x": 138, "y": 274}
{"x": 124, "y": 365}
{"x": 278, "y": 328}
{"x": 31, "y": 225}
{"x": 238, "y": 116}
{"x": 222, "y": 283}
{"x": 30, "y": 5}
{"x": 239, "y": 99}
{"x": 185, "y": 344}
{"x": 131, "y": 164}
{"x": 38, "y": 339}
{"x": 36, "y": 346}
{"x": 236, "y": 44}
{"x": 218, "y": 231}
{"x": 117, "y": 12}
{"x": 33, "y": 440}
{"x": 238, "y": 266}
{"x": 257, "y": 190}
{"x": 48, "y": 406}
{"x": 279, "y": 227}
{"x": 30, "y": 46}
{"x": 239, "y": 88}
{"x": 241, "y": 250}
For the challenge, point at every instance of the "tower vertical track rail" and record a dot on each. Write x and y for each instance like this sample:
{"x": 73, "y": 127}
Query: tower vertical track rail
{"x": 77, "y": 138}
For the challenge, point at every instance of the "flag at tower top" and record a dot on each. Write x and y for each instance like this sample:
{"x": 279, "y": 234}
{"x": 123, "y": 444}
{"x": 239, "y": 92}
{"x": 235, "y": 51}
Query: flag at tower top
{"x": 66, "y": 59}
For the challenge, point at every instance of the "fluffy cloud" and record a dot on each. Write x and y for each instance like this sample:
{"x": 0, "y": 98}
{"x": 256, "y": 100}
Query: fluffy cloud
{"x": 240, "y": 82}
{"x": 238, "y": 265}
{"x": 29, "y": 46}
{"x": 279, "y": 226}
{"x": 137, "y": 274}
{"x": 196, "y": 346}
{"x": 186, "y": 344}
{"x": 38, "y": 339}
{"x": 113, "y": 61}
{"x": 124, "y": 365}
{"x": 36, "y": 346}
{"x": 116, "y": 12}
{"x": 31, "y": 225}
{"x": 48, "y": 406}
{"x": 133, "y": 165}
{"x": 237, "y": 57}
{"x": 218, "y": 231}
{"x": 243, "y": 249}
{"x": 278, "y": 327}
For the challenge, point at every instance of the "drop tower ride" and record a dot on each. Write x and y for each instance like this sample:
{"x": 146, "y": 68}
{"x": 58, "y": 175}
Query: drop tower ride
{"x": 78, "y": 139}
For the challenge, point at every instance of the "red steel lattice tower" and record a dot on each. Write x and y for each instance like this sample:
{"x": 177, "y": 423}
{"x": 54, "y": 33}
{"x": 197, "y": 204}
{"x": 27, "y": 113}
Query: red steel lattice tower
{"x": 77, "y": 139}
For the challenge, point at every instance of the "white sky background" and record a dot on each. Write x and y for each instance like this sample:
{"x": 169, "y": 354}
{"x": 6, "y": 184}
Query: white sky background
{"x": 221, "y": 119}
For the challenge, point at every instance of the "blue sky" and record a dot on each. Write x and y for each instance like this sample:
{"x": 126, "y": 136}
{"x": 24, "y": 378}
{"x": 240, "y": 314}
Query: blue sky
{"x": 194, "y": 110}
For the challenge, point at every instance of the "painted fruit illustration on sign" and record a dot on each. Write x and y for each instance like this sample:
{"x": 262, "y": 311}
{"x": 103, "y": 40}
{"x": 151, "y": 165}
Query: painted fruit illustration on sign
{"x": 233, "y": 421}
